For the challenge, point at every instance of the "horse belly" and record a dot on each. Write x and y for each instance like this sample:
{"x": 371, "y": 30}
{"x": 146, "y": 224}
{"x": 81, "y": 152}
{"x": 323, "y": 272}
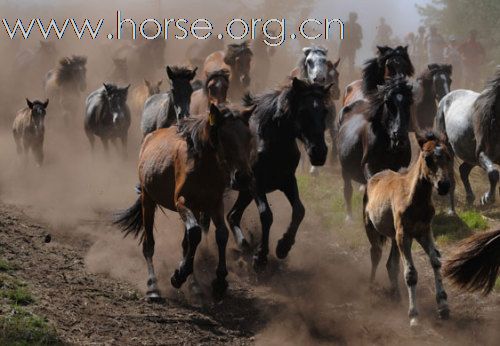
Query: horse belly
{"x": 460, "y": 131}
{"x": 382, "y": 219}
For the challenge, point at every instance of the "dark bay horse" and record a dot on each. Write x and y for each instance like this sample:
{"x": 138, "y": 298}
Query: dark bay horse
{"x": 65, "y": 84}
{"x": 472, "y": 124}
{"x": 107, "y": 115}
{"x": 214, "y": 91}
{"x": 236, "y": 59}
{"x": 475, "y": 264}
{"x": 432, "y": 85}
{"x": 374, "y": 135}
{"x": 296, "y": 111}
{"x": 398, "y": 205}
{"x": 29, "y": 129}
{"x": 187, "y": 168}
{"x": 163, "y": 110}
{"x": 388, "y": 63}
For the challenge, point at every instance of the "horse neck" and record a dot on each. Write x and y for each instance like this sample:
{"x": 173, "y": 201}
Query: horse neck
{"x": 420, "y": 186}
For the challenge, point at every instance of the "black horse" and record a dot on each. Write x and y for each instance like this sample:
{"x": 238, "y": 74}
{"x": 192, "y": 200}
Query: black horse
{"x": 433, "y": 84}
{"x": 107, "y": 115}
{"x": 163, "y": 110}
{"x": 374, "y": 135}
{"x": 280, "y": 117}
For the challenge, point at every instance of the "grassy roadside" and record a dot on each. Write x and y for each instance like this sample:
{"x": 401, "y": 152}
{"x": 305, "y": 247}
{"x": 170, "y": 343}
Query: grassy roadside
{"x": 18, "y": 324}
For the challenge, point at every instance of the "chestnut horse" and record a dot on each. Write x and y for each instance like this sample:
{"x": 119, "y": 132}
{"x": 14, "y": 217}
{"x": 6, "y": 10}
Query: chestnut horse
{"x": 295, "y": 111}
{"x": 187, "y": 168}
{"x": 214, "y": 91}
{"x": 389, "y": 62}
{"x": 399, "y": 206}
{"x": 236, "y": 59}
{"x": 475, "y": 265}
{"x": 374, "y": 135}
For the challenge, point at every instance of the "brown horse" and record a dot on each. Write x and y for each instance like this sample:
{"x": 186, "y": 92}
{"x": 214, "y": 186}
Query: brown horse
{"x": 141, "y": 93}
{"x": 399, "y": 206}
{"x": 214, "y": 92}
{"x": 28, "y": 129}
{"x": 66, "y": 83}
{"x": 236, "y": 59}
{"x": 388, "y": 63}
{"x": 475, "y": 265}
{"x": 187, "y": 168}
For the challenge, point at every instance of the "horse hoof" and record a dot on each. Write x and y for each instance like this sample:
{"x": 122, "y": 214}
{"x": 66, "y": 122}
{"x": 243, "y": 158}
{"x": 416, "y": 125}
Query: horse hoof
{"x": 487, "y": 199}
{"x": 154, "y": 296}
{"x": 177, "y": 280}
{"x": 283, "y": 248}
{"x": 414, "y": 323}
{"x": 219, "y": 288}
{"x": 444, "y": 313}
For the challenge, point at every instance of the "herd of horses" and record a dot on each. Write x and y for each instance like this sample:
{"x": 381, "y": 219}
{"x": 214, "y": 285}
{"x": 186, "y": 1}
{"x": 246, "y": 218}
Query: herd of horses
{"x": 208, "y": 134}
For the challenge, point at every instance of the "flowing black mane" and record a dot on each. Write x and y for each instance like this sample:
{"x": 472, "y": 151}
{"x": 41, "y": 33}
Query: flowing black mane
{"x": 181, "y": 72}
{"x": 373, "y": 73}
{"x": 302, "y": 62}
{"x": 223, "y": 73}
{"x": 234, "y": 51}
{"x": 66, "y": 69}
{"x": 484, "y": 108}
{"x": 397, "y": 85}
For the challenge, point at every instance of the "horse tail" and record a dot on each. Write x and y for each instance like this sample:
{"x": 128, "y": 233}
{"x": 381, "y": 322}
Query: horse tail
{"x": 475, "y": 266}
{"x": 130, "y": 220}
{"x": 248, "y": 100}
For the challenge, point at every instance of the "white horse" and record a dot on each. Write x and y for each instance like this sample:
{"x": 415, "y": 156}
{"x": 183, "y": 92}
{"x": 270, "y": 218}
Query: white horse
{"x": 472, "y": 123}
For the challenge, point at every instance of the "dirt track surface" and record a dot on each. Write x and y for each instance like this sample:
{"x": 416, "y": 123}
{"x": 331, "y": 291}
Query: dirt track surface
{"x": 302, "y": 302}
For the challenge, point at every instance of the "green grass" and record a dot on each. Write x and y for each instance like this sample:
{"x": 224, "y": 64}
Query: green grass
{"x": 21, "y": 327}
{"x": 18, "y": 295}
{"x": 497, "y": 285}
{"x": 5, "y": 266}
{"x": 448, "y": 229}
{"x": 474, "y": 220}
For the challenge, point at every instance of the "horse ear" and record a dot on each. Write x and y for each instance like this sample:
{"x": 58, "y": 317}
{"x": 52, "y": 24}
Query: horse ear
{"x": 193, "y": 73}
{"x": 406, "y": 48}
{"x": 126, "y": 88}
{"x": 336, "y": 64}
{"x": 46, "y": 103}
{"x": 29, "y": 103}
{"x": 170, "y": 73}
{"x": 215, "y": 116}
{"x": 448, "y": 68}
{"x": 383, "y": 49}
{"x": 146, "y": 82}
{"x": 306, "y": 50}
{"x": 432, "y": 67}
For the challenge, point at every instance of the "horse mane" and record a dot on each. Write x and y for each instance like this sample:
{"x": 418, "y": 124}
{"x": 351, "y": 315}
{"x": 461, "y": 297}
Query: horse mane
{"x": 235, "y": 50}
{"x": 483, "y": 108}
{"x": 376, "y": 100}
{"x": 222, "y": 73}
{"x": 64, "y": 71}
{"x": 181, "y": 72}
{"x": 302, "y": 61}
{"x": 194, "y": 131}
{"x": 374, "y": 69}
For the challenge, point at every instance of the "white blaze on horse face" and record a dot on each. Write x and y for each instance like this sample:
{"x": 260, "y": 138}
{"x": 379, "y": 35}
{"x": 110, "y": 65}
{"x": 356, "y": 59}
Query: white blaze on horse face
{"x": 115, "y": 117}
{"x": 317, "y": 69}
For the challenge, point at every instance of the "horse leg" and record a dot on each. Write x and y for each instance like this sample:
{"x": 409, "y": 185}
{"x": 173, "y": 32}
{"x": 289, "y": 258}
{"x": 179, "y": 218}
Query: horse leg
{"x": 332, "y": 130}
{"x": 493, "y": 176}
{"x": 411, "y": 276}
{"x": 465, "y": 169}
{"x": 266, "y": 220}
{"x": 38, "y": 153}
{"x": 347, "y": 195}
{"x": 124, "y": 140}
{"x": 392, "y": 266}
{"x": 427, "y": 244}
{"x": 285, "y": 244}
{"x": 193, "y": 239}
{"x": 27, "y": 148}
{"x": 91, "y": 138}
{"x": 375, "y": 239}
{"x": 148, "y": 246}
{"x": 234, "y": 218}
{"x": 219, "y": 285}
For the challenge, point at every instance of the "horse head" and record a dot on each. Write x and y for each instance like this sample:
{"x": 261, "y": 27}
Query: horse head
{"x": 395, "y": 61}
{"x": 180, "y": 78}
{"x": 75, "y": 71}
{"x": 314, "y": 65}
{"x": 239, "y": 57}
{"x": 216, "y": 86}
{"x": 117, "y": 101}
{"x": 441, "y": 79}
{"x": 38, "y": 111}
{"x": 153, "y": 89}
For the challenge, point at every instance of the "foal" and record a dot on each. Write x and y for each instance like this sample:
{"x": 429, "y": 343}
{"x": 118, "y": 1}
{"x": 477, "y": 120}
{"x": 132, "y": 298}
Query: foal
{"x": 399, "y": 206}
{"x": 187, "y": 168}
{"x": 28, "y": 129}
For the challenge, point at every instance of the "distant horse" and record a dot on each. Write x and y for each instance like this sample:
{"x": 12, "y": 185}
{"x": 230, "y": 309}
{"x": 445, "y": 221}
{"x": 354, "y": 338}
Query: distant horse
{"x": 374, "y": 135}
{"x": 433, "y": 84}
{"x": 141, "y": 93}
{"x": 472, "y": 123}
{"x": 163, "y": 110}
{"x": 119, "y": 74}
{"x": 65, "y": 84}
{"x": 388, "y": 63}
{"x": 29, "y": 130}
{"x": 236, "y": 59}
{"x": 316, "y": 68}
{"x": 107, "y": 116}
{"x": 399, "y": 206}
{"x": 475, "y": 265}
{"x": 295, "y": 111}
{"x": 36, "y": 62}
{"x": 214, "y": 91}
{"x": 187, "y": 168}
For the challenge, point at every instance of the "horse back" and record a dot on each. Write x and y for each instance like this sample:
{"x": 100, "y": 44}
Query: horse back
{"x": 215, "y": 62}
{"x": 155, "y": 113}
